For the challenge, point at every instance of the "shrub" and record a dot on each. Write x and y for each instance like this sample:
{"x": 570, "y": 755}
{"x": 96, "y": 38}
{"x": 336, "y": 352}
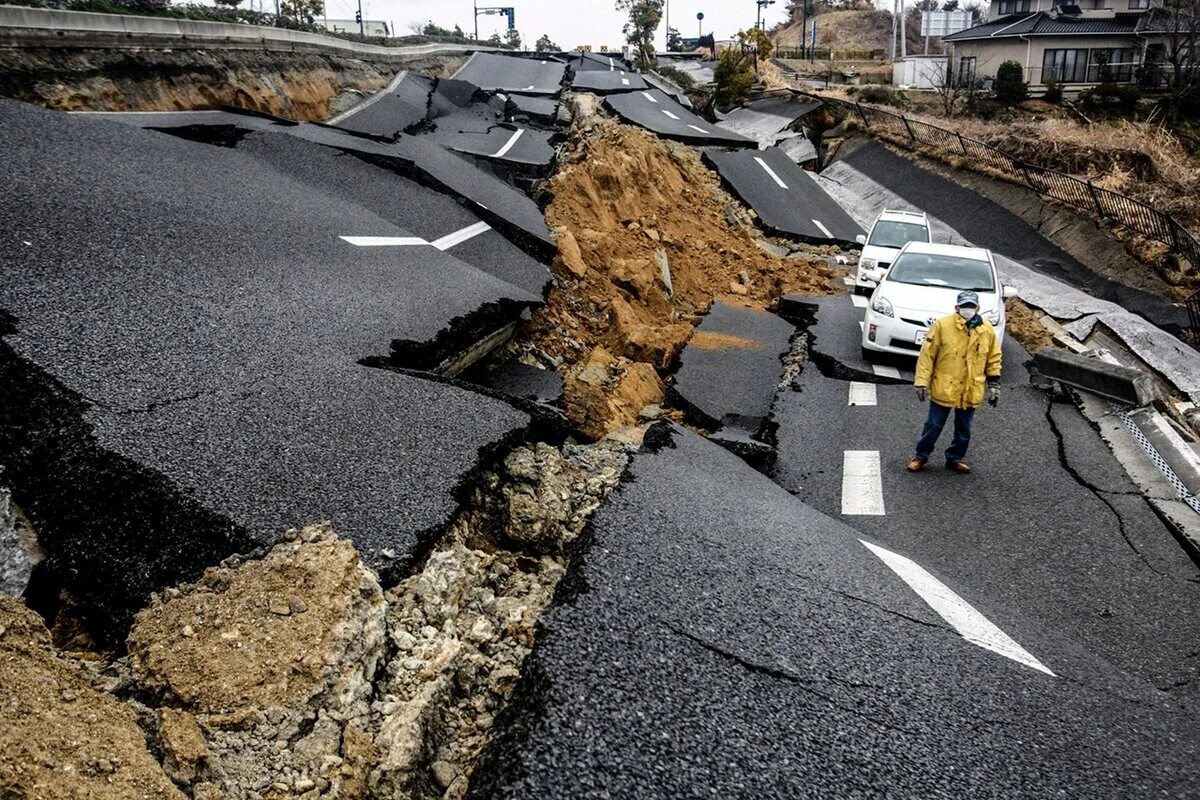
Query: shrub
{"x": 1107, "y": 96}
{"x": 883, "y": 95}
{"x": 1054, "y": 91}
{"x": 733, "y": 78}
{"x": 1010, "y": 83}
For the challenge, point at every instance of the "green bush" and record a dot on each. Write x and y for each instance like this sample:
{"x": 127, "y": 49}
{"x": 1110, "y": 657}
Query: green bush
{"x": 1108, "y": 96}
{"x": 1054, "y": 91}
{"x": 1010, "y": 83}
{"x": 733, "y": 78}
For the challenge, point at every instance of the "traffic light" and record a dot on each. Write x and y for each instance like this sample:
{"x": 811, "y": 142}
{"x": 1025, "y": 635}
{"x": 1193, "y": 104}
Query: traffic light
{"x": 358, "y": 18}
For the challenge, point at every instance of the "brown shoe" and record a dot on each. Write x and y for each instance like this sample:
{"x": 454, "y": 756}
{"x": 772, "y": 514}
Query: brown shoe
{"x": 961, "y": 467}
{"x": 915, "y": 464}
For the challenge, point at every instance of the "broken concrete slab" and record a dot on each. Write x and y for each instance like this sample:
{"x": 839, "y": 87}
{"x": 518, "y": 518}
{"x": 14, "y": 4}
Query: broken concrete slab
{"x": 834, "y": 327}
{"x": 763, "y": 119}
{"x": 656, "y": 111}
{"x": 505, "y": 73}
{"x": 607, "y": 82}
{"x": 1114, "y": 381}
{"x": 19, "y": 550}
{"x": 729, "y": 369}
{"x": 521, "y": 380}
{"x": 787, "y": 200}
{"x": 402, "y": 104}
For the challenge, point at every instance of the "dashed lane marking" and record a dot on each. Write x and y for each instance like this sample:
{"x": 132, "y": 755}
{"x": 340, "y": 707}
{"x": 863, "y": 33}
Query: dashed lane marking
{"x": 458, "y": 237}
{"x": 509, "y": 144}
{"x": 885, "y": 371}
{"x": 611, "y": 66}
{"x": 767, "y": 169}
{"x": 624, "y": 81}
{"x": 649, "y": 97}
{"x": 669, "y": 114}
{"x": 824, "y": 230}
{"x": 970, "y": 624}
{"x": 698, "y": 129}
{"x": 858, "y": 300}
{"x": 862, "y": 484}
{"x": 862, "y": 394}
{"x": 444, "y": 243}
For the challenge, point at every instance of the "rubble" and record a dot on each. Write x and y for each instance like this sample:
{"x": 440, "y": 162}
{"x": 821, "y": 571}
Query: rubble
{"x": 19, "y": 550}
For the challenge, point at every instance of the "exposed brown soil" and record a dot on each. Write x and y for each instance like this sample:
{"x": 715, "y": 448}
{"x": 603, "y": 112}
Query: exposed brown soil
{"x": 721, "y": 341}
{"x": 59, "y": 737}
{"x": 647, "y": 240}
{"x": 1022, "y": 324}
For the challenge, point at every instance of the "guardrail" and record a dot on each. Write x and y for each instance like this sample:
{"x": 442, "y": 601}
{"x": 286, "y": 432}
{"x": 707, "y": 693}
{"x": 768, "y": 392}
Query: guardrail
{"x": 55, "y": 27}
{"x": 1083, "y": 195}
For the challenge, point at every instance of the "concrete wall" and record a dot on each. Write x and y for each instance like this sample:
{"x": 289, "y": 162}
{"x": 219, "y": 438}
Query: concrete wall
{"x": 43, "y": 27}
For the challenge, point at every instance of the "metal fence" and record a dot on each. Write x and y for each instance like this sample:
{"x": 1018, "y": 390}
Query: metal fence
{"x": 1105, "y": 204}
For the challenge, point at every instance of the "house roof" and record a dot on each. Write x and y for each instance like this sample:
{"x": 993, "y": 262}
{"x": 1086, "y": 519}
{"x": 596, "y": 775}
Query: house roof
{"x": 1041, "y": 23}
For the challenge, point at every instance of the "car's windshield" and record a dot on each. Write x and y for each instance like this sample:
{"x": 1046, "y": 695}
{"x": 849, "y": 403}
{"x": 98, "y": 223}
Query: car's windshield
{"x": 897, "y": 234}
{"x": 952, "y": 272}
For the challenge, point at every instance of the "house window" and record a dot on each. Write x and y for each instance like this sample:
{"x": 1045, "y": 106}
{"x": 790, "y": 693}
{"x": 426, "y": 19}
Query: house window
{"x": 1111, "y": 65}
{"x": 1014, "y": 7}
{"x": 1064, "y": 66}
{"x": 966, "y": 71}
{"x": 1138, "y": 5}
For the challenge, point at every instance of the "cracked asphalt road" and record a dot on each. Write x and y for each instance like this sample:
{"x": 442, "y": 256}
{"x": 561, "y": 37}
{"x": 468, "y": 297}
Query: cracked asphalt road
{"x": 1048, "y": 536}
{"x": 722, "y": 638}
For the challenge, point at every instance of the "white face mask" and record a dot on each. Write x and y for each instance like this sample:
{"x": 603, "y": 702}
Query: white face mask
{"x": 967, "y": 312}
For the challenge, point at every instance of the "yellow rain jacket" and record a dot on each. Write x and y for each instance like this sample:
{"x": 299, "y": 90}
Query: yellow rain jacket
{"x": 955, "y": 363}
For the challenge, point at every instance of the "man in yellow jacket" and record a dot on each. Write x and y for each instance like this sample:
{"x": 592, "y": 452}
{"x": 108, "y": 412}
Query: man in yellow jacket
{"x": 959, "y": 365}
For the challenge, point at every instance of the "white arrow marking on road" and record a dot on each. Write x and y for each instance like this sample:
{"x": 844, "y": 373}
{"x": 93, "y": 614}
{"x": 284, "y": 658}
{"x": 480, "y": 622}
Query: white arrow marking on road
{"x": 770, "y": 172}
{"x": 824, "y": 230}
{"x": 858, "y": 300}
{"x": 458, "y": 237}
{"x": 885, "y": 371}
{"x": 649, "y": 97}
{"x": 509, "y": 144}
{"x": 698, "y": 129}
{"x": 862, "y": 394}
{"x": 384, "y": 241}
{"x": 970, "y": 624}
{"x": 669, "y": 114}
{"x": 862, "y": 485}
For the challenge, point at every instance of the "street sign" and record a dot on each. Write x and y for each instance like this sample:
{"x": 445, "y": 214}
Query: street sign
{"x": 944, "y": 23}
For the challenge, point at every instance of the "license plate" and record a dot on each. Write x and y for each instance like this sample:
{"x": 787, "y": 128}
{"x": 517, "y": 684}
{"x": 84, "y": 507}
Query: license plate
{"x": 920, "y": 337}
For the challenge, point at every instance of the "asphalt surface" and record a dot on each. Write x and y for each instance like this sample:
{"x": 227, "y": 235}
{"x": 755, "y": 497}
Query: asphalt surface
{"x": 184, "y": 329}
{"x": 404, "y": 102}
{"x": 989, "y": 225}
{"x": 493, "y": 72}
{"x": 541, "y": 109}
{"x": 728, "y": 371}
{"x": 720, "y": 638}
{"x": 658, "y": 112}
{"x": 762, "y": 120}
{"x": 787, "y": 200}
{"x": 839, "y": 354}
{"x": 597, "y": 62}
{"x": 607, "y": 82}
{"x": 1050, "y": 535}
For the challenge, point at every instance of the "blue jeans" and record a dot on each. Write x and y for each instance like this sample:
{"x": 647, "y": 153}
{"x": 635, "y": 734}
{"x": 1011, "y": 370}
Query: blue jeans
{"x": 963, "y": 417}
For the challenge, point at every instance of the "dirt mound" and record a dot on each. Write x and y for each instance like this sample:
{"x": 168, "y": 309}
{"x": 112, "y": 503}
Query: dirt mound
{"x": 647, "y": 240}
{"x": 59, "y": 737}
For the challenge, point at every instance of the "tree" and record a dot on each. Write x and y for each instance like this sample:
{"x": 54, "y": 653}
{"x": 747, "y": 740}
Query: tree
{"x": 644, "y": 18}
{"x": 545, "y": 45}
{"x": 458, "y": 33}
{"x": 512, "y": 37}
{"x": 757, "y": 41}
{"x": 494, "y": 40}
{"x": 732, "y": 77}
{"x": 674, "y": 40}
{"x": 301, "y": 10}
{"x": 436, "y": 30}
{"x": 950, "y": 5}
{"x": 1010, "y": 83}
{"x": 1180, "y": 20}
{"x": 229, "y": 3}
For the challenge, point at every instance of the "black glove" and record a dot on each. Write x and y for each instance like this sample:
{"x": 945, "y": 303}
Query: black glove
{"x": 922, "y": 393}
{"x": 993, "y": 394}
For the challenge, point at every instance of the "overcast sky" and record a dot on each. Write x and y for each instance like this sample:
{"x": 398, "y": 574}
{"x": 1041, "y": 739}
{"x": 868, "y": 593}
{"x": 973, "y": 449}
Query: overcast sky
{"x": 569, "y": 23}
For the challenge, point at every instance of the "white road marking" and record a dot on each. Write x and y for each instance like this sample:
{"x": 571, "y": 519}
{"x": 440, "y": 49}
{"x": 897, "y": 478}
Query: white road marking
{"x": 529, "y": 88}
{"x": 848, "y": 280}
{"x": 649, "y": 97}
{"x": 698, "y": 129}
{"x": 885, "y": 371}
{"x": 862, "y": 484}
{"x": 372, "y": 100}
{"x": 858, "y": 300}
{"x": 669, "y": 114}
{"x": 770, "y": 172}
{"x": 611, "y": 66}
{"x": 970, "y": 624}
{"x": 384, "y": 241}
{"x": 458, "y": 237}
{"x": 862, "y": 394}
{"x": 824, "y": 230}
{"x": 502, "y": 96}
{"x": 624, "y": 81}
{"x": 509, "y": 144}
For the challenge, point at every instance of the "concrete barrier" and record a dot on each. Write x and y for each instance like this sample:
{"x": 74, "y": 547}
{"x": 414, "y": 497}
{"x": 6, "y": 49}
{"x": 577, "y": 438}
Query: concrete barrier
{"x": 21, "y": 26}
{"x": 1095, "y": 375}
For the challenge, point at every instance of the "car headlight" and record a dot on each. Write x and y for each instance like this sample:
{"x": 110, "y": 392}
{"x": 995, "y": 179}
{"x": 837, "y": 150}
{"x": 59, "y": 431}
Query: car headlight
{"x": 881, "y": 305}
{"x": 993, "y": 316}
{"x": 867, "y": 263}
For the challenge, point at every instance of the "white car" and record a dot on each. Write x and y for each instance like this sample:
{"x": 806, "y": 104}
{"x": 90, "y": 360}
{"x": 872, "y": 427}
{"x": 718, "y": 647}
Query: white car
{"x": 923, "y": 284}
{"x": 891, "y": 231}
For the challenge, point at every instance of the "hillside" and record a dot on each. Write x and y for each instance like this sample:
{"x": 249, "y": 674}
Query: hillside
{"x": 852, "y": 32}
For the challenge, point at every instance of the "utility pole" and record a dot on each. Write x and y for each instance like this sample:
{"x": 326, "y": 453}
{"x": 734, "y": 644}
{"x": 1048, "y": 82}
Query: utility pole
{"x": 700, "y": 25}
{"x": 668, "y": 19}
{"x": 475, "y": 5}
{"x": 903, "y": 34}
{"x": 361, "y": 25}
